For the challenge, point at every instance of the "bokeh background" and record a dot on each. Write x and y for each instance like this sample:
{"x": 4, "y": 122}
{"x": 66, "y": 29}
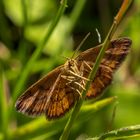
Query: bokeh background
{"x": 23, "y": 24}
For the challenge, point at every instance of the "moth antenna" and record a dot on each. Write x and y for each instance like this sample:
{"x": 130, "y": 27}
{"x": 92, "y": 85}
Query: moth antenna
{"x": 79, "y": 46}
{"x": 65, "y": 57}
{"x": 99, "y": 36}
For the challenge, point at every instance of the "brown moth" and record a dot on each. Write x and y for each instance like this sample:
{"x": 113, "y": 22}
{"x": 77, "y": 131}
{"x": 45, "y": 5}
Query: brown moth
{"x": 56, "y": 93}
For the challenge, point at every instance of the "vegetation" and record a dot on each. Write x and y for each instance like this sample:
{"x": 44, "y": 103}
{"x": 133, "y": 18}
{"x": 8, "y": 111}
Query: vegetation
{"x": 34, "y": 35}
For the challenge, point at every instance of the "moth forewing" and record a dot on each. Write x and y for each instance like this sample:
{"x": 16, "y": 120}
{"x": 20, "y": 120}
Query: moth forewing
{"x": 33, "y": 101}
{"x": 114, "y": 56}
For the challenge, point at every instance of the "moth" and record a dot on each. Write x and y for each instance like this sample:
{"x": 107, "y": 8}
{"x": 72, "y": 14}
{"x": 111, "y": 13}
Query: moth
{"x": 54, "y": 94}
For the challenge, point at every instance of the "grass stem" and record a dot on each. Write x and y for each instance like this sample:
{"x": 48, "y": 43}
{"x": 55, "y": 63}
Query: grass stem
{"x": 92, "y": 74}
{"x": 24, "y": 75}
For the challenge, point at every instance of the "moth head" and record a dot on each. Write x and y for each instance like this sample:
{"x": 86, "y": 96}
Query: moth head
{"x": 71, "y": 63}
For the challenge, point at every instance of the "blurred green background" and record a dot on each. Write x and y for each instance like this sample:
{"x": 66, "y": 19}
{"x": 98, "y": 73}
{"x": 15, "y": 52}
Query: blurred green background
{"x": 23, "y": 24}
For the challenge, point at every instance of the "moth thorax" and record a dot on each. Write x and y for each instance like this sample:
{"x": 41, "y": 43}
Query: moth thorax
{"x": 71, "y": 63}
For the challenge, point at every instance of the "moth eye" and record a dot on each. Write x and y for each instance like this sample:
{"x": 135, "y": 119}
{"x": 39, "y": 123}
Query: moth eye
{"x": 70, "y": 64}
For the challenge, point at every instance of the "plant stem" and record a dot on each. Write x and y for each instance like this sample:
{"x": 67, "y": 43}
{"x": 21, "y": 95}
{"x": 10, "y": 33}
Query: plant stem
{"x": 92, "y": 74}
{"x": 74, "y": 16}
{"x": 24, "y": 75}
{"x": 3, "y": 105}
{"x": 1, "y": 136}
{"x": 38, "y": 51}
{"x": 125, "y": 132}
{"x": 24, "y": 12}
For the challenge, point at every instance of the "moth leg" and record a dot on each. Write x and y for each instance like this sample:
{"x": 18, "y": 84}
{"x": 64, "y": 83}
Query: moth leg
{"x": 67, "y": 77}
{"x": 71, "y": 72}
{"x": 83, "y": 82}
{"x": 80, "y": 85}
{"x": 87, "y": 65}
{"x": 70, "y": 79}
{"x": 75, "y": 69}
{"x": 79, "y": 93}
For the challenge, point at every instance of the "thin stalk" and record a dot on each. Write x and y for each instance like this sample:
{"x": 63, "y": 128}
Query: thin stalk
{"x": 76, "y": 12}
{"x": 3, "y": 105}
{"x": 24, "y": 75}
{"x": 22, "y": 47}
{"x": 92, "y": 74}
{"x": 1, "y": 136}
{"x": 122, "y": 133}
{"x": 24, "y": 12}
{"x": 5, "y": 34}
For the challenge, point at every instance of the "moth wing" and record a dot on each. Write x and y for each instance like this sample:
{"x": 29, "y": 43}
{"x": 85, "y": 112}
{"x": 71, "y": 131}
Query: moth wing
{"x": 33, "y": 102}
{"x": 50, "y": 95}
{"x": 62, "y": 99}
{"x": 114, "y": 56}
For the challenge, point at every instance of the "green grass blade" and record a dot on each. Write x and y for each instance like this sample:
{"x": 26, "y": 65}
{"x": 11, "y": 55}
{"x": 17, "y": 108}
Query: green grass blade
{"x": 122, "y": 133}
{"x": 3, "y": 105}
{"x": 92, "y": 74}
{"x": 24, "y": 75}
